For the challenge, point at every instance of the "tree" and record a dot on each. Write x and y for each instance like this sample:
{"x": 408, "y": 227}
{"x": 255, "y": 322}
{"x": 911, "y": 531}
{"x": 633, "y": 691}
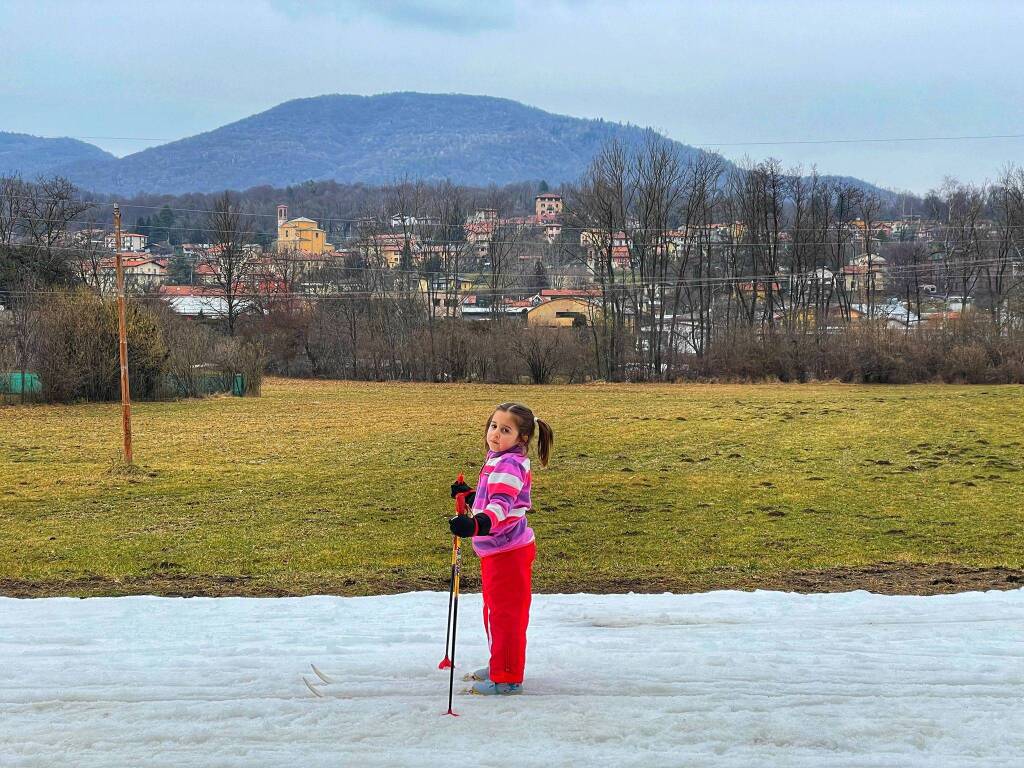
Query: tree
{"x": 231, "y": 257}
{"x": 598, "y": 208}
{"x": 539, "y": 278}
{"x": 44, "y": 254}
{"x": 180, "y": 270}
{"x": 542, "y": 349}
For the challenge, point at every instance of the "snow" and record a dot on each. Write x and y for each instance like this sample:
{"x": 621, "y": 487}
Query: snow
{"x": 722, "y": 679}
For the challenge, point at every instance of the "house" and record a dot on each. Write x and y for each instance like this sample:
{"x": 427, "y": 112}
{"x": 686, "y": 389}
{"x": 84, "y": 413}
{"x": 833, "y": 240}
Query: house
{"x": 478, "y": 236}
{"x": 195, "y": 301}
{"x": 90, "y": 236}
{"x": 205, "y": 273}
{"x": 597, "y": 242}
{"x": 552, "y": 229}
{"x": 444, "y": 294}
{"x": 894, "y": 313}
{"x": 959, "y": 303}
{"x": 865, "y": 272}
{"x": 760, "y": 288}
{"x": 837, "y": 316}
{"x": 389, "y": 248}
{"x": 823, "y": 277}
{"x": 211, "y": 264}
{"x": 484, "y": 214}
{"x": 474, "y": 307}
{"x": 300, "y": 234}
{"x": 140, "y": 274}
{"x": 547, "y": 204}
{"x": 194, "y": 250}
{"x": 130, "y": 241}
{"x": 404, "y": 221}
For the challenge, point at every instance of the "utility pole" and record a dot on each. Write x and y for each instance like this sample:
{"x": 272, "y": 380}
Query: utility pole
{"x": 122, "y": 333}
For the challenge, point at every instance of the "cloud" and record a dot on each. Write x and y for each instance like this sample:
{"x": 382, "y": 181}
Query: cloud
{"x": 454, "y": 16}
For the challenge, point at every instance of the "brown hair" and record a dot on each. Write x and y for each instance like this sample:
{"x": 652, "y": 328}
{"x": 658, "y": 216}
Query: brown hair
{"x": 528, "y": 424}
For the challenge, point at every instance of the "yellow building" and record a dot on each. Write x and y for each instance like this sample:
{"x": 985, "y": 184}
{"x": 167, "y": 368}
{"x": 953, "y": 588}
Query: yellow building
{"x": 562, "y": 312}
{"x": 299, "y": 234}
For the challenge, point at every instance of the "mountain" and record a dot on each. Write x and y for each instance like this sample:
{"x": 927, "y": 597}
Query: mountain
{"x": 475, "y": 140}
{"x": 33, "y": 156}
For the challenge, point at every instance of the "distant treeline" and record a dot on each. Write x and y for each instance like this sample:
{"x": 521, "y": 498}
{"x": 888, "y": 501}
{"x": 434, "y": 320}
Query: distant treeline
{"x": 692, "y": 269}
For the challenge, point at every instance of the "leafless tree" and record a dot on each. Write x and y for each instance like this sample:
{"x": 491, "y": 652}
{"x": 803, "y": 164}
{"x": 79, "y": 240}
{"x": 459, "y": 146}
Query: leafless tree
{"x": 542, "y": 350}
{"x": 231, "y": 257}
{"x": 599, "y": 210}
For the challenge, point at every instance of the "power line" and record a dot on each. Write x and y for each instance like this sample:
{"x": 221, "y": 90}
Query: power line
{"x": 681, "y": 230}
{"x": 901, "y": 139}
{"x": 980, "y": 137}
{"x": 808, "y": 278}
{"x": 360, "y": 249}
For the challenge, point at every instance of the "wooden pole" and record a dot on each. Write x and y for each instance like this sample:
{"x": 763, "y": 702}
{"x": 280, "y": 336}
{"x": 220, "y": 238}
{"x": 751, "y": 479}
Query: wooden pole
{"x": 122, "y": 333}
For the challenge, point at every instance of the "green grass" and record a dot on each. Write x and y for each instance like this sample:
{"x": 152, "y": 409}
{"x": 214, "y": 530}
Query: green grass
{"x": 343, "y": 487}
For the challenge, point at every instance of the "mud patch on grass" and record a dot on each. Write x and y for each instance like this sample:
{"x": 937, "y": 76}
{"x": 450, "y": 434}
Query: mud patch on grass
{"x": 882, "y": 578}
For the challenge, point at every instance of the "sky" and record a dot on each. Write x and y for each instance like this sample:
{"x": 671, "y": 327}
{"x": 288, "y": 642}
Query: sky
{"x": 749, "y": 78}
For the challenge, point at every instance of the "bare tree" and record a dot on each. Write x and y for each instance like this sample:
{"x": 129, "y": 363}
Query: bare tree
{"x": 231, "y": 257}
{"x": 542, "y": 350}
{"x": 47, "y": 213}
{"x": 599, "y": 208}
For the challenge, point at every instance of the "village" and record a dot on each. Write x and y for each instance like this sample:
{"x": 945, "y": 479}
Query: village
{"x": 538, "y": 268}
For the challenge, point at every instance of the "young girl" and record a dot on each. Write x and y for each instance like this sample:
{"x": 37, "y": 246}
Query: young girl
{"x": 504, "y": 541}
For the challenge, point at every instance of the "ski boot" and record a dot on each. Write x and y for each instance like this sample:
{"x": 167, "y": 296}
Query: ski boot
{"x": 488, "y": 688}
{"x": 482, "y": 675}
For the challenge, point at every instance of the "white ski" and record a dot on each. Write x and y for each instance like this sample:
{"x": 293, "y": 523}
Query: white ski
{"x": 314, "y": 686}
{"x": 320, "y": 674}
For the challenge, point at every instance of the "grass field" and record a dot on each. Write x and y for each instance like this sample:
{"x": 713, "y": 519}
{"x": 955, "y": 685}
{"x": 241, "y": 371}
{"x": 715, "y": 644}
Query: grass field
{"x": 343, "y": 488}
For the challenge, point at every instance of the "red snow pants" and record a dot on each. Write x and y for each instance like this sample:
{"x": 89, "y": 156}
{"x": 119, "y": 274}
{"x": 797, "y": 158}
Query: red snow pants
{"x": 506, "y": 587}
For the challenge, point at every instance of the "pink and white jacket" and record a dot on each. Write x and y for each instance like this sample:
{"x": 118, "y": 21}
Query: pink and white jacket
{"x": 503, "y": 494}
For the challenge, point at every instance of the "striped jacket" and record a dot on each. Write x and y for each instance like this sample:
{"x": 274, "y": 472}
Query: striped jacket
{"x": 503, "y": 494}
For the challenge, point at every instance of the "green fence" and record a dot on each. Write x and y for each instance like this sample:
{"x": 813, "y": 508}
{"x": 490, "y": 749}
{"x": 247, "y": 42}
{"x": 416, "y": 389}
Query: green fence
{"x": 203, "y": 383}
{"x": 207, "y": 383}
{"x": 19, "y": 383}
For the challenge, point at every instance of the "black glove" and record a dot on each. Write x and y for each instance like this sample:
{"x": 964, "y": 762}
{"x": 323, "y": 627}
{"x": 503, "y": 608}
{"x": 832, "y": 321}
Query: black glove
{"x": 458, "y": 488}
{"x": 466, "y": 526}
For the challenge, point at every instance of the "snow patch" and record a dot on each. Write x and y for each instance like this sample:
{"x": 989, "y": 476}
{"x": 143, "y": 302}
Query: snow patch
{"x": 723, "y": 679}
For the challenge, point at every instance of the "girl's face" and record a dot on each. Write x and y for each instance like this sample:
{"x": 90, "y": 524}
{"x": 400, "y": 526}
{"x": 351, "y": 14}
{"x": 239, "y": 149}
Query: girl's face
{"x": 502, "y": 432}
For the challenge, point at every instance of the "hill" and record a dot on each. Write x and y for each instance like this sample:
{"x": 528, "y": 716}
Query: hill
{"x": 32, "y": 156}
{"x": 472, "y": 140}
{"x": 475, "y": 140}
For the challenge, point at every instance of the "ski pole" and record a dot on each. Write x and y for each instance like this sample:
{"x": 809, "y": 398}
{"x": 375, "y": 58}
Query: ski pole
{"x": 455, "y": 626}
{"x": 446, "y": 661}
{"x": 453, "y": 602}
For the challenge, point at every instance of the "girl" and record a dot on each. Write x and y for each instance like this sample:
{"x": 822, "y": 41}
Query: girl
{"x": 504, "y": 541}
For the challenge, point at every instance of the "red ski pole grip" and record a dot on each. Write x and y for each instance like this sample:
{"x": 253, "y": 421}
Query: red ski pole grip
{"x": 460, "y": 498}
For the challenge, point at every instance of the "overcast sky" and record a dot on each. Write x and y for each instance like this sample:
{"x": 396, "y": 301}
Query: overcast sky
{"x": 724, "y": 74}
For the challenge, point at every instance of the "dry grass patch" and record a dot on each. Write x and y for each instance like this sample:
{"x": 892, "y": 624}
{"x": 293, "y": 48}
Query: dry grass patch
{"x": 342, "y": 487}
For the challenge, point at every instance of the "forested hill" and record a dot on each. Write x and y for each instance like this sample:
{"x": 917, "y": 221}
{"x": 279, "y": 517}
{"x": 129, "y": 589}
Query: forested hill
{"x": 474, "y": 140}
{"x": 31, "y": 156}
{"x": 471, "y": 140}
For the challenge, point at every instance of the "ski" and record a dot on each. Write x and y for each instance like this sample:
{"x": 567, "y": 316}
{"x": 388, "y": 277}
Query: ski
{"x": 320, "y": 674}
{"x": 314, "y": 685}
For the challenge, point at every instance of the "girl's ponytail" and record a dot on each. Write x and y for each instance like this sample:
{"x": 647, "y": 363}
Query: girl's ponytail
{"x": 545, "y": 439}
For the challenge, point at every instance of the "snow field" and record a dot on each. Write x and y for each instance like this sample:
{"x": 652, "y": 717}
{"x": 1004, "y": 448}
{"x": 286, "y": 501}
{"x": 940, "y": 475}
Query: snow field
{"x": 722, "y": 679}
